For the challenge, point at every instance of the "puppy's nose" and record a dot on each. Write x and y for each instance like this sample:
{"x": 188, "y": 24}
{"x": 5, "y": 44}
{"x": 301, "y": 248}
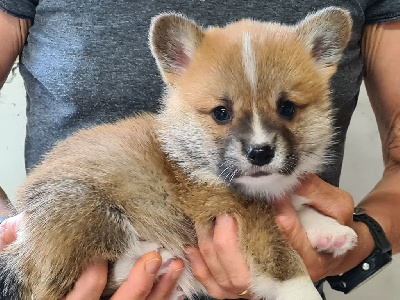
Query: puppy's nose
{"x": 260, "y": 155}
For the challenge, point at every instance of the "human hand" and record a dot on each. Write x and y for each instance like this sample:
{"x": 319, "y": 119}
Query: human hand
{"x": 218, "y": 264}
{"x": 140, "y": 284}
{"x": 8, "y": 230}
{"x": 335, "y": 203}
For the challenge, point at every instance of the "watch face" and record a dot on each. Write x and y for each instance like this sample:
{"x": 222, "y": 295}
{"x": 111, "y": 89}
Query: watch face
{"x": 359, "y": 211}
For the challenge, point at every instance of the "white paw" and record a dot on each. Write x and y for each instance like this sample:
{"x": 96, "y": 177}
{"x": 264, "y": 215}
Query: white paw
{"x": 299, "y": 288}
{"x": 325, "y": 234}
{"x": 332, "y": 237}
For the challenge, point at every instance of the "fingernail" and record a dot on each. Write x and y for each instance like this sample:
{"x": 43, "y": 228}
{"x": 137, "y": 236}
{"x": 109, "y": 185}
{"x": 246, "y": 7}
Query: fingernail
{"x": 152, "y": 266}
{"x": 175, "y": 275}
{"x": 223, "y": 220}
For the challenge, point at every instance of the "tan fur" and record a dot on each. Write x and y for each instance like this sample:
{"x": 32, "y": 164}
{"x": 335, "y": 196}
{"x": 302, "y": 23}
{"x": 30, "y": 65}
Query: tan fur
{"x": 157, "y": 178}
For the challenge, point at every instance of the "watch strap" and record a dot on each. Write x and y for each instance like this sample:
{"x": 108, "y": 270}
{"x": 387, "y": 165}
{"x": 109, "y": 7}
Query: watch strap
{"x": 375, "y": 229}
{"x": 380, "y": 257}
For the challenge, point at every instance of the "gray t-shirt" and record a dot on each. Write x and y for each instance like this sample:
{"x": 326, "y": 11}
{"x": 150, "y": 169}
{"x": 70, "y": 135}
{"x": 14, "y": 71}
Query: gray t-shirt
{"x": 87, "y": 62}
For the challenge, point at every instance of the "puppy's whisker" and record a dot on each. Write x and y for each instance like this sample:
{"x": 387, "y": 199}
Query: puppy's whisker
{"x": 233, "y": 175}
{"x": 220, "y": 174}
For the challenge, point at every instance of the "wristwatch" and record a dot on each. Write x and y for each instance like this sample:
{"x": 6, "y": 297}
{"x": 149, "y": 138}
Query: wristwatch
{"x": 375, "y": 262}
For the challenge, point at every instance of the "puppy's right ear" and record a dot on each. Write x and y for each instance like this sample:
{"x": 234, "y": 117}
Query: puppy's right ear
{"x": 173, "y": 41}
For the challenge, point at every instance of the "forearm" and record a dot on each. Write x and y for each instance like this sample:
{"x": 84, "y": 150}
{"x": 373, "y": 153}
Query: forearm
{"x": 13, "y": 34}
{"x": 381, "y": 52}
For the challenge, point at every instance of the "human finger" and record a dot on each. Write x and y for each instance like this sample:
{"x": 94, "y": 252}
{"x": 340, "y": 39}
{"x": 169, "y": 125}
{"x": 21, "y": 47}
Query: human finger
{"x": 163, "y": 289}
{"x": 205, "y": 239}
{"x": 8, "y": 230}
{"x": 327, "y": 199}
{"x": 92, "y": 282}
{"x": 229, "y": 253}
{"x": 202, "y": 273}
{"x": 141, "y": 278}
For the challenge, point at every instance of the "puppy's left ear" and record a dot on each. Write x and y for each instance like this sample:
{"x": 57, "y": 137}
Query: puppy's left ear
{"x": 174, "y": 40}
{"x": 326, "y": 34}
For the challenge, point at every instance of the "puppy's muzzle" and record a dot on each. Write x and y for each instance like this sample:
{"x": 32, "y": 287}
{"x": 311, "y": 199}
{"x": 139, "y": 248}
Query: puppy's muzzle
{"x": 260, "y": 155}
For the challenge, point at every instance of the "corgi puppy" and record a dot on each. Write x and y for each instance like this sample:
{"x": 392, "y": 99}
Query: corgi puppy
{"x": 246, "y": 113}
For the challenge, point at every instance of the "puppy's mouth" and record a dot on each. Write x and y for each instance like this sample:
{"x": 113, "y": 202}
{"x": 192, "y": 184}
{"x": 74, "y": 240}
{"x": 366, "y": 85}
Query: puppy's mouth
{"x": 255, "y": 172}
{"x": 230, "y": 171}
{"x": 259, "y": 174}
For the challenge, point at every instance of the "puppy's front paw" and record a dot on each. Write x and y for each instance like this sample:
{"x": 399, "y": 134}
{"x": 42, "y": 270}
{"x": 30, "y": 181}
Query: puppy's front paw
{"x": 331, "y": 237}
{"x": 325, "y": 234}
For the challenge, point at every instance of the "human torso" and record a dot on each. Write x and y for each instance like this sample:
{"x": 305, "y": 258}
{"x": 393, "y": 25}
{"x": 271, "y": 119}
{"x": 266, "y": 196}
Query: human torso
{"x": 87, "y": 63}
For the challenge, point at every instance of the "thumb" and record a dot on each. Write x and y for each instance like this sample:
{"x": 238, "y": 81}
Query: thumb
{"x": 290, "y": 225}
{"x": 327, "y": 199}
{"x": 91, "y": 284}
{"x": 286, "y": 216}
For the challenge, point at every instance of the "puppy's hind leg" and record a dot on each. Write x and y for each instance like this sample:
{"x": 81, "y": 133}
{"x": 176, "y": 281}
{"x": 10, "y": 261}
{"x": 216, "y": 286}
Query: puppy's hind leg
{"x": 53, "y": 247}
{"x": 298, "y": 288}
{"x": 11, "y": 286}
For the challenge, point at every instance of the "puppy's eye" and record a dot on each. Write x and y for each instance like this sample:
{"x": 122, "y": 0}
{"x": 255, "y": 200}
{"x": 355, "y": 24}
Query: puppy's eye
{"x": 221, "y": 115}
{"x": 286, "y": 109}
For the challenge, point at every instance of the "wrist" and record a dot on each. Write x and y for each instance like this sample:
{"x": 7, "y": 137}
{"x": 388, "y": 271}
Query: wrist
{"x": 365, "y": 246}
{"x": 384, "y": 209}
{"x": 365, "y": 243}
{"x": 378, "y": 259}
{"x": 383, "y": 204}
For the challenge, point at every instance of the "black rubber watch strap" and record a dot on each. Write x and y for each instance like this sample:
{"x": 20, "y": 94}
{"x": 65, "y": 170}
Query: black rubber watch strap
{"x": 376, "y": 230}
{"x": 376, "y": 261}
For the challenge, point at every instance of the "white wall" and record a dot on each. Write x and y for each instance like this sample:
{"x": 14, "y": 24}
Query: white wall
{"x": 362, "y": 169}
{"x": 12, "y": 134}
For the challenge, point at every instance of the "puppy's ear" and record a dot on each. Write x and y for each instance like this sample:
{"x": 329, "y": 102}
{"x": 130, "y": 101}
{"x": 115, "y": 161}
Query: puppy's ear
{"x": 326, "y": 34}
{"x": 173, "y": 41}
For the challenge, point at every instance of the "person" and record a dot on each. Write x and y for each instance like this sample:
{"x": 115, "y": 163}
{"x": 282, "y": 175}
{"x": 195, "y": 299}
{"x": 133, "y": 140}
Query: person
{"x": 86, "y": 63}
